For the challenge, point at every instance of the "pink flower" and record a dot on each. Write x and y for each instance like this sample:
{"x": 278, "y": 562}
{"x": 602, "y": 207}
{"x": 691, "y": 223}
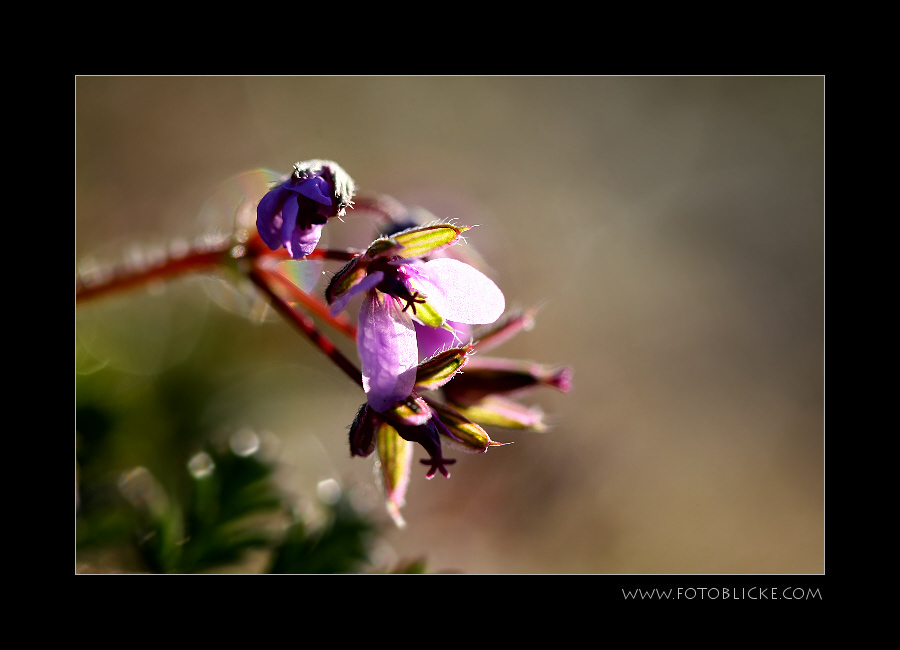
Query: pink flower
{"x": 401, "y": 290}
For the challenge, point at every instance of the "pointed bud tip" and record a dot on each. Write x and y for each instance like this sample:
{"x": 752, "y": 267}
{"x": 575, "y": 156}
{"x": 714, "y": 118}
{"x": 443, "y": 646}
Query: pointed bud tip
{"x": 561, "y": 379}
{"x": 394, "y": 511}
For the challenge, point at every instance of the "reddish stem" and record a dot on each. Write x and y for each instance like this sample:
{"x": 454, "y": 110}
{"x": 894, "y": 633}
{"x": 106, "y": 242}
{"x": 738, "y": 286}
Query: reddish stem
{"x": 305, "y": 324}
{"x": 387, "y": 207}
{"x": 123, "y": 278}
{"x": 317, "y": 307}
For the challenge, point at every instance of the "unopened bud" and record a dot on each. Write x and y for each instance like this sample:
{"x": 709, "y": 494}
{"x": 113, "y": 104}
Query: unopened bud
{"x": 461, "y": 432}
{"x": 498, "y": 411}
{"x": 489, "y": 376}
{"x": 395, "y": 460}
{"x": 424, "y": 240}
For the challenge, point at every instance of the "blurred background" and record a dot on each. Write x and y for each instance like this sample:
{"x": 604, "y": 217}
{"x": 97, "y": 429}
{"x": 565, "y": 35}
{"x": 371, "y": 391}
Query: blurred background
{"x": 672, "y": 228}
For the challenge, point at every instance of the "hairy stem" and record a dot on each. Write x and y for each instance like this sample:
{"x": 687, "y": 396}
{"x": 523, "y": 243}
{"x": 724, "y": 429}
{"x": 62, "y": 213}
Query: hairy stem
{"x": 123, "y": 278}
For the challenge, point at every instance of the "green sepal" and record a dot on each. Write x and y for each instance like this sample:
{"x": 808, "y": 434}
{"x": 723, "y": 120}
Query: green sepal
{"x": 427, "y": 315}
{"x": 395, "y": 458}
{"x": 383, "y": 247}
{"x": 352, "y": 273}
{"x": 362, "y": 432}
{"x": 412, "y": 411}
{"x": 496, "y": 411}
{"x": 439, "y": 369}
{"x": 422, "y": 240}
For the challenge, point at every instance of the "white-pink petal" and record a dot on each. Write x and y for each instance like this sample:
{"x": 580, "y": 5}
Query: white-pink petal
{"x": 386, "y": 341}
{"x": 461, "y": 293}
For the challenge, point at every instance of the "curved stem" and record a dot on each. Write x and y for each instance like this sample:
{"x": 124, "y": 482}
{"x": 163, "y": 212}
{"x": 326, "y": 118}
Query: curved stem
{"x": 305, "y": 324}
{"x": 388, "y": 208}
{"x": 122, "y": 278}
{"x": 317, "y": 307}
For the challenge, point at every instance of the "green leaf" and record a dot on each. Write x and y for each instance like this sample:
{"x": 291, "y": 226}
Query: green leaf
{"x": 340, "y": 546}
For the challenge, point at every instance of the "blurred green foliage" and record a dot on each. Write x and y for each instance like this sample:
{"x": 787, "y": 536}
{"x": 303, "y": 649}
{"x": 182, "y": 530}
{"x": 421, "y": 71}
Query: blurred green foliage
{"x": 158, "y": 492}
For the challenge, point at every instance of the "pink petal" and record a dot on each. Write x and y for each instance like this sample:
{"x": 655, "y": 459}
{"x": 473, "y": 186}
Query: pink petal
{"x": 304, "y": 242}
{"x": 434, "y": 339}
{"x": 388, "y": 352}
{"x": 461, "y": 293}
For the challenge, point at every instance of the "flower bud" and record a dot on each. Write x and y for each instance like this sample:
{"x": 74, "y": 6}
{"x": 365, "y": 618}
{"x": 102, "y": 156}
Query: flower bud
{"x": 462, "y": 433}
{"x": 496, "y": 411}
{"x": 395, "y": 462}
{"x": 505, "y": 329}
{"x": 424, "y": 240}
{"x": 488, "y": 376}
{"x": 292, "y": 213}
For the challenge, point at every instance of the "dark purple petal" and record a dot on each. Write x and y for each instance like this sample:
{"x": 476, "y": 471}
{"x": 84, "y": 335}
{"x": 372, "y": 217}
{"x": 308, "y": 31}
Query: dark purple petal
{"x": 428, "y": 435}
{"x": 269, "y": 220}
{"x": 317, "y": 189}
{"x": 289, "y": 224}
{"x": 387, "y": 348}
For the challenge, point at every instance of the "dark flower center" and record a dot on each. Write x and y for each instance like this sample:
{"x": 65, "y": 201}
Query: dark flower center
{"x": 392, "y": 285}
{"x": 311, "y": 212}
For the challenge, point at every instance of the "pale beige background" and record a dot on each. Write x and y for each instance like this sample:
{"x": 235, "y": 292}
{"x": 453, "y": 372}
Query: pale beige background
{"x": 673, "y": 228}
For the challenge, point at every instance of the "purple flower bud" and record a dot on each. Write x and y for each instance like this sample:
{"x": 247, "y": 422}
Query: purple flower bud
{"x": 292, "y": 214}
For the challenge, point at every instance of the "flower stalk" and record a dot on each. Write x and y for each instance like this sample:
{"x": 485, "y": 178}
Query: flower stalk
{"x": 119, "y": 279}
